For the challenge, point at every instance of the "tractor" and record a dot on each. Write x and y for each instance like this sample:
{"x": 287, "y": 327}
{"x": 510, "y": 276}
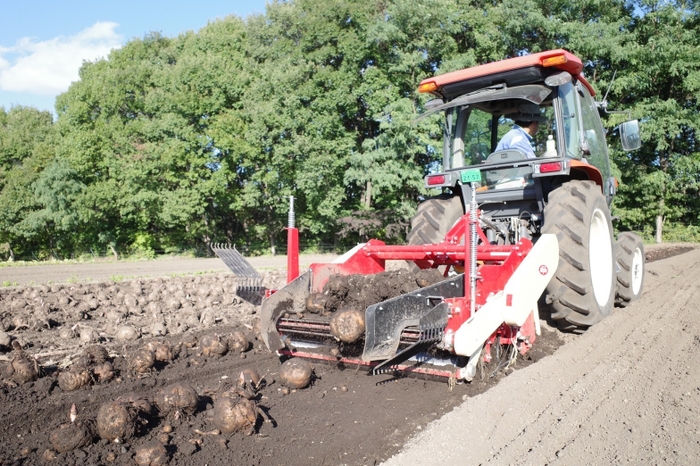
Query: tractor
{"x": 518, "y": 229}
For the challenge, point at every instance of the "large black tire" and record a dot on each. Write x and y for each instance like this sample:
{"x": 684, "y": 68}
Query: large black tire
{"x": 629, "y": 254}
{"x": 434, "y": 218}
{"x": 582, "y": 291}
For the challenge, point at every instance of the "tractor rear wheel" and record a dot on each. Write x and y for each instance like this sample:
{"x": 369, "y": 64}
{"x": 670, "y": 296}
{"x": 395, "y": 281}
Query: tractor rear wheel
{"x": 629, "y": 254}
{"x": 582, "y": 290}
{"x": 434, "y": 218}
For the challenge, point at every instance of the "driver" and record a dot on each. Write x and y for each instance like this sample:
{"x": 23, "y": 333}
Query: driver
{"x": 527, "y": 121}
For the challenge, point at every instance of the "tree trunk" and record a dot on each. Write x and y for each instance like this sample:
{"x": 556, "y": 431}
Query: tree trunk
{"x": 12, "y": 253}
{"x": 207, "y": 244}
{"x": 659, "y": 228}
{"x": 273, "y": 247}
{"x": 660, "y": 222}
{"x": 368, "y": 195}
{"x": 114, "y": 251}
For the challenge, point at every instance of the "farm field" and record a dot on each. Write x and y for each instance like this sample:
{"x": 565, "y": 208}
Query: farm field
{"x": 626, "y": 390}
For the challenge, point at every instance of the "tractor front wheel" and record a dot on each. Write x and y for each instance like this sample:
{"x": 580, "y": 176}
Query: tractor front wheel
{"x": 582, "y": 291}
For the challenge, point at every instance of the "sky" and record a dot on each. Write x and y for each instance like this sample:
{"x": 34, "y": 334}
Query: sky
{"x": 43, "y": 43}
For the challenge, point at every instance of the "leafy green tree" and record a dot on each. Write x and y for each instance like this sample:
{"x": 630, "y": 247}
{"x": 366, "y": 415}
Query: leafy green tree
{"x": 659, "y": 85}
{"x": 26, "y": 146}
{"x": 178, "y": 142}
{"x": 54, "y": 190}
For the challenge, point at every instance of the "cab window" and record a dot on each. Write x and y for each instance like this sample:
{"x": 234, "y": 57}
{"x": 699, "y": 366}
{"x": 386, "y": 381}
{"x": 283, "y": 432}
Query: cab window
{"x": 594, "y": 135}
{"x": 571, "y": 125}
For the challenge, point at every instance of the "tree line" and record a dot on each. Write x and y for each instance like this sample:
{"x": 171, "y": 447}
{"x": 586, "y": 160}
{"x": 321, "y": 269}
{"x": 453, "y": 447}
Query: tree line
{"x": 173, "y": 143}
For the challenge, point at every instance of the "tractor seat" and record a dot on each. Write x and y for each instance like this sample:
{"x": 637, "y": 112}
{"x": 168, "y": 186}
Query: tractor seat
{"x": 507, "y": 155}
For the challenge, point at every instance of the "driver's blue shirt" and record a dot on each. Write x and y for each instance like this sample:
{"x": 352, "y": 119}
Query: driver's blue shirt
{"x": 518, "y": 139}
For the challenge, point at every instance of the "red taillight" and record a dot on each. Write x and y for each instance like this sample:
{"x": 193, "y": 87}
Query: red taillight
{"x": 436, "y": 179}
{"x": 550, "y": 167}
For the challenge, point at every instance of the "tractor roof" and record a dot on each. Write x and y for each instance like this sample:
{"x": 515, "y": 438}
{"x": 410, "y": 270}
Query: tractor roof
{"x": 513, "y": 71}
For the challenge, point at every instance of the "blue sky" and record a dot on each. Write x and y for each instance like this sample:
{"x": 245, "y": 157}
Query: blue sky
{"x": 44, "y": 42}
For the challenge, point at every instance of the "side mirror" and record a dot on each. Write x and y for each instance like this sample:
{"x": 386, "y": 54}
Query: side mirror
{"x": 629, "y": 135}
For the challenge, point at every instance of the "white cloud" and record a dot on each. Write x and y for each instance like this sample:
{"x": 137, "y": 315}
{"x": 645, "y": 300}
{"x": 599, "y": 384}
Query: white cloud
{"x": 49, "y": 67}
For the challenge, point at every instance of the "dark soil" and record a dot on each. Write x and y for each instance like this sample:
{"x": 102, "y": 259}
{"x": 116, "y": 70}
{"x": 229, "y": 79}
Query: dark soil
{"x": 659, "y": 252}
{"x": 344, "y": 417}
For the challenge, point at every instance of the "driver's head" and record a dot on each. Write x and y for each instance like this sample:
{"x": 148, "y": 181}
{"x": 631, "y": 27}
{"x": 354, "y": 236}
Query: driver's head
{"x": 528, "y": 118}
{"x": 530, "y": 126}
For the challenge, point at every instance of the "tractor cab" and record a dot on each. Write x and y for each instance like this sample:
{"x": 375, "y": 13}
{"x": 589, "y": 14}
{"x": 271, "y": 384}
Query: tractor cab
{"x": 482, "y": 104}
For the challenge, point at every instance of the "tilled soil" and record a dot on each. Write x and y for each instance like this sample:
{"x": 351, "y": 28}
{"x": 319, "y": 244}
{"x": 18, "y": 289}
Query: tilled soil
{"x": 344, "y": 417}
{"x": 625, "y": 392}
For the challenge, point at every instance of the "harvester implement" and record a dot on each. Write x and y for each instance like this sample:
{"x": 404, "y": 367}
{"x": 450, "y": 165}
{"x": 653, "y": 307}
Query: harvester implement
{"x": 430, "y": 325}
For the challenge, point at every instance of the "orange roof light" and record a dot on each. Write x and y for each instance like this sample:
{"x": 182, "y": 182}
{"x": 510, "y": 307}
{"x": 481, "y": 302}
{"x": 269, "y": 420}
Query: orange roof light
{"x": 429, "y": 86}
{"x": 554, "y": 61}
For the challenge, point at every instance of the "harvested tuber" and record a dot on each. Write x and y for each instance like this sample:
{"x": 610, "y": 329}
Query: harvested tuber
{"x": 142, "y": 361}
{"x": 234, "y": 416}
{"x": 248, "y": 377}
{"x": 153, "y": 454}
{"x": 97, "y": 354}
{"x": 237, "y": 342}
{"x": 22, "y": 368}
{"x": 139, "y": 402}
{"x": 212, "y": 345}
{"x": 88, "y": 335}
{"x": 127, "y": 332}
{"x": 316, "y": 303}
{"x": 116, "y": 421}
{"x": 104, "y": 372}
{"x": 348, "y": 325}
{"x": 73, "y": 379}
{"x": 177, "y": 397}
{"x": 162, "y": 350}
{"x": 296, "y": 373}
{"x": 69, "y": 436}
{"x": 66, "y": 333}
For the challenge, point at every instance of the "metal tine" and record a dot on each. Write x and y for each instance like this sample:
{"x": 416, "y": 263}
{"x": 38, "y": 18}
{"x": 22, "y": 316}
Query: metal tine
{"x": 431, "y": 333}
{"x": 382, "y": 382}
{"x": 235, "y": 261}
{"x": 385, "y": 370}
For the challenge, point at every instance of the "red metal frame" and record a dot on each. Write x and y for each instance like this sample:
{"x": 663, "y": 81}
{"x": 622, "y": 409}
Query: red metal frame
{"x": 368, "y": 364}
{"x": 495, "y": 265}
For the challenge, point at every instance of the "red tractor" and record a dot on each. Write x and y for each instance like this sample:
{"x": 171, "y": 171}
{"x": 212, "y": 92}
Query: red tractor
{"x": 517, "y": 227}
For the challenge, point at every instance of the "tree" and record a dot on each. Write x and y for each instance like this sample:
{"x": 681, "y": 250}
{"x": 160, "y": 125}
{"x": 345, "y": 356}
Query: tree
{"x": 26, "y": 146}
{"x": 54, "y": 190}
{"x": 659, "y": 85}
